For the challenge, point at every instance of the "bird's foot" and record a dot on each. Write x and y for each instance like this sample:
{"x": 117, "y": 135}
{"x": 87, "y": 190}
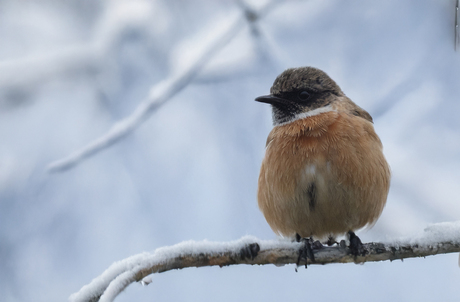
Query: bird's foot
{"x": 331, "y": 241}
{"x": 356, "y": 246}
{"x": 250, "y": 251}
{"x": 306, "y": 251}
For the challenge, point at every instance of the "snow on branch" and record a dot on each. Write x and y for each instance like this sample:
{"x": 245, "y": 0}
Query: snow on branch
{"x": 438, "y": 238}
{"x": 32, "y": 70}
{"x": 159, "y": 94}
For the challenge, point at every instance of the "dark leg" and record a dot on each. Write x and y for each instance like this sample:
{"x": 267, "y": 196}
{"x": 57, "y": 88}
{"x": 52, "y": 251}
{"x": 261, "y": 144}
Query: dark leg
{"x": 305, "y": 252}
{"x": 356, "y": 246}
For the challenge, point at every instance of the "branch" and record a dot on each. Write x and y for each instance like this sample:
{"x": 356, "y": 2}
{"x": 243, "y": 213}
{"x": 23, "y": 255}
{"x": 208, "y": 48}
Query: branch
{"x": 24, "y": 73}
{"x": 436, "y": 239}
{"x": 159, "y": 95}
{"x": 457, "y": 31}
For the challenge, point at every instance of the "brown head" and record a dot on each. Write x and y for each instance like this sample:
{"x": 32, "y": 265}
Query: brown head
{"x": 298, "y": 91}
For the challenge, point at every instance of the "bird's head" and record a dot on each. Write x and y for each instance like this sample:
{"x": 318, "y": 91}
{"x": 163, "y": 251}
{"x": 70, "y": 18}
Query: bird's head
{"x": 300, "y": 92}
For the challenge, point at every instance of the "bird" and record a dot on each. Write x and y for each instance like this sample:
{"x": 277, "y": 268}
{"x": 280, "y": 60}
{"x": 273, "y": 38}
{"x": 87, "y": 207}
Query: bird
{"x": 324, "y": 173}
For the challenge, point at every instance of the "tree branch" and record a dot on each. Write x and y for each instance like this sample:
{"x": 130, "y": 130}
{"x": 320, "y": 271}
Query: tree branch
{"x": 159, "y": 94}
{"x": 436, "y": 239}
{"x": 457, "y": 31}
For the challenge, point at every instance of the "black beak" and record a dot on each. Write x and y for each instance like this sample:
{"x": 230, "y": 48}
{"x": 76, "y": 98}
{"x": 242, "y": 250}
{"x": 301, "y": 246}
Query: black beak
{"x": 270, "y": 99}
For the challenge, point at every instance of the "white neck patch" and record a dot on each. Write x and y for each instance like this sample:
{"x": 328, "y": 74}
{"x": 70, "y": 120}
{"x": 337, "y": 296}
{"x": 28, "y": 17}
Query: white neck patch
{"x": 302, "y": 115}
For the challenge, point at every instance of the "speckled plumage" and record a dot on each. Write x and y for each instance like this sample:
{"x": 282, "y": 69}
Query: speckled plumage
{"x": 314, "y": 78}
{"x": 324, "y": 172}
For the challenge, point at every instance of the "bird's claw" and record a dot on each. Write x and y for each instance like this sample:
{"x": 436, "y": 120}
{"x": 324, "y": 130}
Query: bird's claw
{"x": 306, "y": 251}
{"x": 356, "y": 246}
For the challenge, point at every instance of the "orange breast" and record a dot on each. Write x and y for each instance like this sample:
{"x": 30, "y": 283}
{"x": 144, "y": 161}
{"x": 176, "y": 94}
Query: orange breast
{"x": 323, "y": 175}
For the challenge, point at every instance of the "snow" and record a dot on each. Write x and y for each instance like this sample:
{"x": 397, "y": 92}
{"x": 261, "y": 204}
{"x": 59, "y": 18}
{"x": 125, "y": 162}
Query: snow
{"x": 158, "y": 95}
{"x": 437, "y": 232}
{"x": 119, "y": 275}
{"x": 116, "y": 278}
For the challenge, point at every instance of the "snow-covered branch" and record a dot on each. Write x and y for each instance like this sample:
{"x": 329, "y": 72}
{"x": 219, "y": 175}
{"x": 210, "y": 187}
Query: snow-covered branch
{"x": 438, "y": 238}
{"x": 32, "y": 70}
{"x": 160, "y": 93}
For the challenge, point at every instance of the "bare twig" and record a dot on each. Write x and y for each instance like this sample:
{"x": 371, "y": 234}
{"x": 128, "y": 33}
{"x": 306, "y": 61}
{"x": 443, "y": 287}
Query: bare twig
{"x": 34, "y": 70}
{"x": 457, "y": 33}
{"x": 160, "y": 94}
{"x": 436, "y": 239}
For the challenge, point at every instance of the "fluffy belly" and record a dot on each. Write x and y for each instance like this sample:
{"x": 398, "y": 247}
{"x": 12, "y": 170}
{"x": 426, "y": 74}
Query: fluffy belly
{"x": 324, "y": 185}
{"x": 318, "y": 205}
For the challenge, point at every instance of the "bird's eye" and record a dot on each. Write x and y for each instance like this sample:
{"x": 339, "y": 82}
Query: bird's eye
{"x": 303, "y": 95}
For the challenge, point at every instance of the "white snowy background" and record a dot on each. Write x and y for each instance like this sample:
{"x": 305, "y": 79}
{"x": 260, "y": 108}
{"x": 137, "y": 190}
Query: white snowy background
{"x": 70, "y": 70}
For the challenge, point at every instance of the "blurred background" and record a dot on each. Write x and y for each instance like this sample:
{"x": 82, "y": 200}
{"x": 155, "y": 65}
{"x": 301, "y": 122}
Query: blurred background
{"x": 71, "y": 70}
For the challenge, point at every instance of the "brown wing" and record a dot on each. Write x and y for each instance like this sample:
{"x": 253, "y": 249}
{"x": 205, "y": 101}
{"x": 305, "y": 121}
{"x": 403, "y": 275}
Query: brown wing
{"x": 362, "y": 113}
{"x": 357, "y": 111}
{"x": 269, "y": 138}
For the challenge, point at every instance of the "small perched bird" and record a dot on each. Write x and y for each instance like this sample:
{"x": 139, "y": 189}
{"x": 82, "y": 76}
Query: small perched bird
{"x": 324, "y": 173}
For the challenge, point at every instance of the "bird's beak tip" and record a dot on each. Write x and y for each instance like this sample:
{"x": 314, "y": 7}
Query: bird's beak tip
{"x": 269, "y": 99}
